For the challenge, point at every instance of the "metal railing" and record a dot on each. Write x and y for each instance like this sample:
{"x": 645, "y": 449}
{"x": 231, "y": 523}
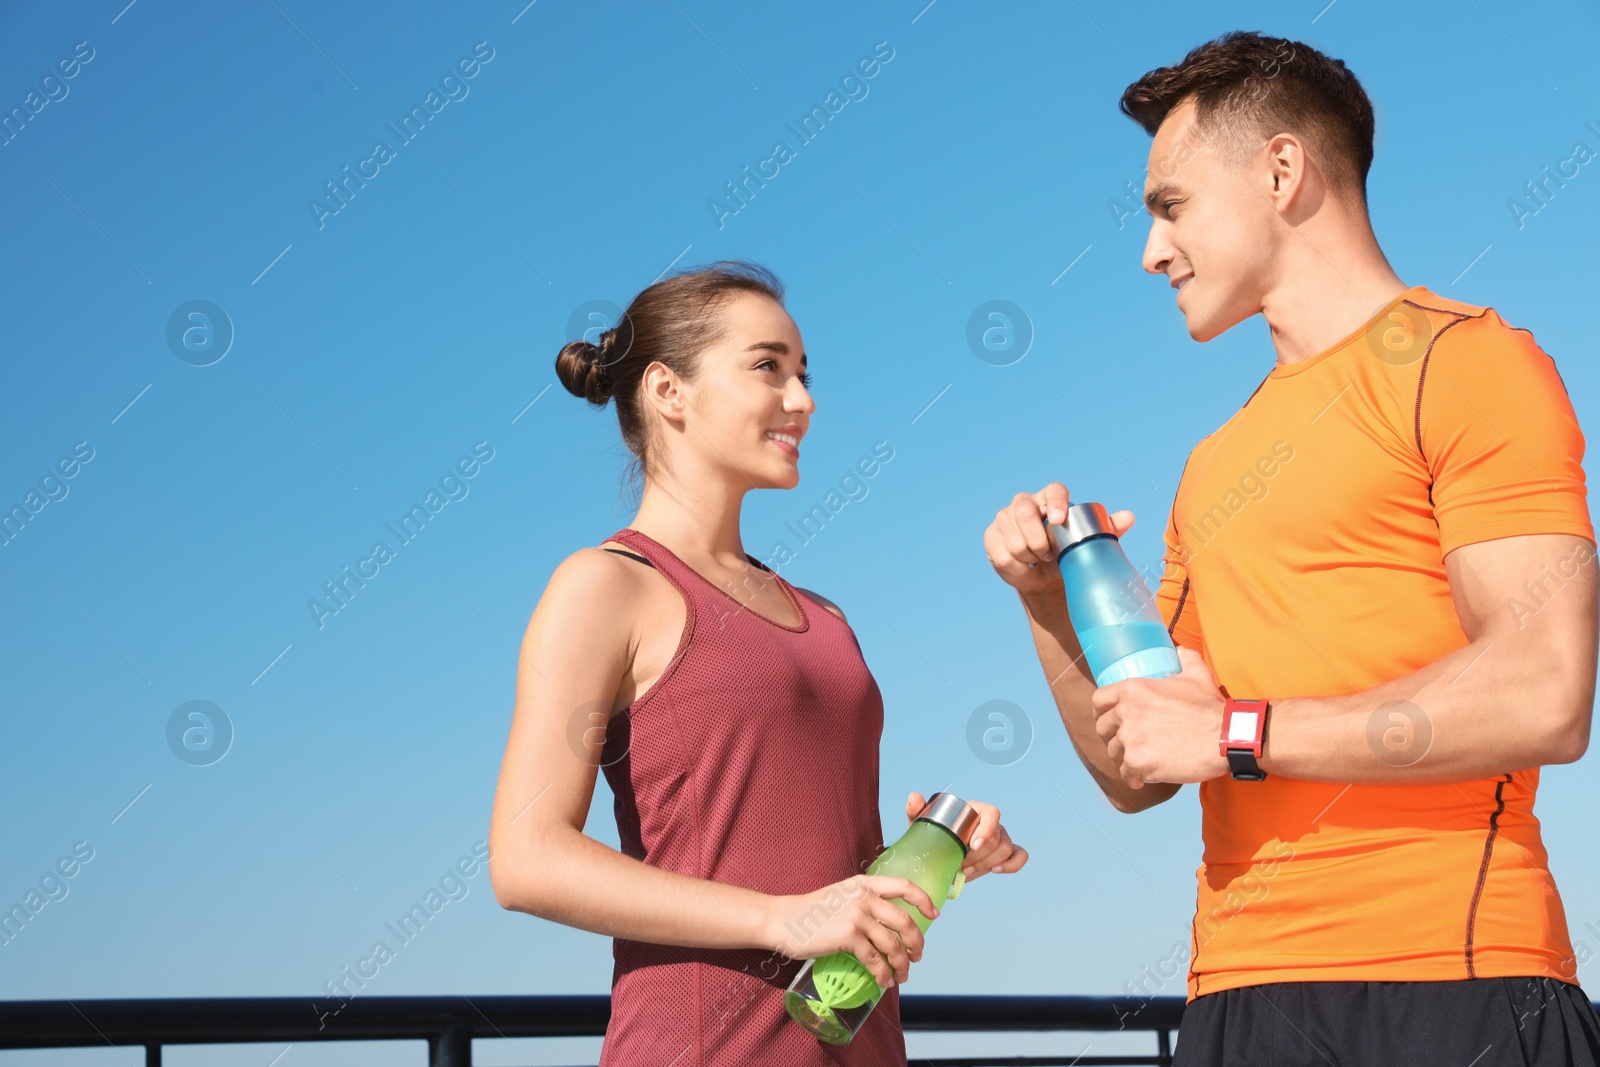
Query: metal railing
{"x": 449, "y": 1023}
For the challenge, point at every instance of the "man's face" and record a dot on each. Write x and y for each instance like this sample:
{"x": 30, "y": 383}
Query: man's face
{"x": 1211, "y": 226}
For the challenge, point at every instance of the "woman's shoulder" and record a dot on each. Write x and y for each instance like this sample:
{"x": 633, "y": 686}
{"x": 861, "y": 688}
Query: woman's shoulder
{"x": 606, "y": 561}
{"x": 593, "y": 578}
{"x": 820, "y": 599}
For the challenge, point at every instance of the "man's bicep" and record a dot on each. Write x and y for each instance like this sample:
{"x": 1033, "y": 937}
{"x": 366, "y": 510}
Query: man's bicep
{"x": 1536, "y": 596}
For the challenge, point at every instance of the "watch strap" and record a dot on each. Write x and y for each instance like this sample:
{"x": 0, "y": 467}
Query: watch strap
{"x": 1243, "y": 767}
{"x": 1243, "y": 738}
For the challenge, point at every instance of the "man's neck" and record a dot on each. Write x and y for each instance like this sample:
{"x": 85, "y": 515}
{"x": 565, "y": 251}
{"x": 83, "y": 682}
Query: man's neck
{"x": 1335, "y": 286}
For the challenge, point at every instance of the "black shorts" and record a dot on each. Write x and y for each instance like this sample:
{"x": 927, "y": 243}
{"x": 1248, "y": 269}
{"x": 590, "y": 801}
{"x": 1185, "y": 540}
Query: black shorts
{"x": 1473, "y": 1022}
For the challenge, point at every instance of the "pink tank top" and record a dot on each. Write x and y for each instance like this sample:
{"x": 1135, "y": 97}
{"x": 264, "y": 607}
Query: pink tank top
{"x": 753, "y": 761}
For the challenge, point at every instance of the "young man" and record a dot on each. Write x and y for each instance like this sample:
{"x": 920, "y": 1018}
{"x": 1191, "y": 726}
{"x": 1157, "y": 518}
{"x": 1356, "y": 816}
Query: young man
{"x": 1390, "y": 545}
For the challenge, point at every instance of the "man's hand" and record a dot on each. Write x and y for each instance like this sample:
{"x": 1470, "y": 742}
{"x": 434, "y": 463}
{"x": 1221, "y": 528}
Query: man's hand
{"x": 1019, "y": 548}
{"x": 991, "y": 850}
{"x": 1163, "y": 729}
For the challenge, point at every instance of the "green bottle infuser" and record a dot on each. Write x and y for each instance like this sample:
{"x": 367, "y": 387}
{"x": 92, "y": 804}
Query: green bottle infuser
{"x": 832, "y": 996}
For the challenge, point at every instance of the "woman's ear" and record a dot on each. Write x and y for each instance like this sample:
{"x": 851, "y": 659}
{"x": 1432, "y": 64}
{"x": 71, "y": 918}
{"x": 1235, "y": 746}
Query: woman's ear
{"x": 663, "y": 390}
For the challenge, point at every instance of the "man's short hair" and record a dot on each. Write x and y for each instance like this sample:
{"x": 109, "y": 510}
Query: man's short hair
{"x": 1249, "y": 87}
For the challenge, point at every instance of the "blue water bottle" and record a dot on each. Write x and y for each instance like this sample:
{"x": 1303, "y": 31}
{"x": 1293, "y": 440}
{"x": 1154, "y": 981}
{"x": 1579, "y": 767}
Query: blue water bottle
{"x": 1112, "y": 610}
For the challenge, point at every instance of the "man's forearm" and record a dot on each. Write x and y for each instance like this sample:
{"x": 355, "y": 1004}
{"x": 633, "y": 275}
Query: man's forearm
{"x": 1484, "y": 709}
{"x": 1071, "y": 684}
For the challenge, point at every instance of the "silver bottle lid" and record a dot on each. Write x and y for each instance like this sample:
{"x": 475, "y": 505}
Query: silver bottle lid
{"x": 952, "y": 813}
{"x": 1084, "y": 521}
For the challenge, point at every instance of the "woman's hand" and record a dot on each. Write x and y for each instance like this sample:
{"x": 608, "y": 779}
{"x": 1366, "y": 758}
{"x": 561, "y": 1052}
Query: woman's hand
{"x": 991, "y": 850}
{"x": 853, "y": 915}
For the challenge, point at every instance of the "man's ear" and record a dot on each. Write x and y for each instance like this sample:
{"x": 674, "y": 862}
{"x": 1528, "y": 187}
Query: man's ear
{"x": 1289, "y": 167}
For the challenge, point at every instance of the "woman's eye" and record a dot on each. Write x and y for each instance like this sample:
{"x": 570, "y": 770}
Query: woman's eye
{"x": 805, "y": 378}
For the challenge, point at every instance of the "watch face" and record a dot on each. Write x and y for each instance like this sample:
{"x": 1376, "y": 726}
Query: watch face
{"x": 1242, "y": 725}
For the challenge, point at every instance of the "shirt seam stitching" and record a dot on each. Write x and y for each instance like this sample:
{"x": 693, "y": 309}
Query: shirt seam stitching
{"x": 1483, "y": 868}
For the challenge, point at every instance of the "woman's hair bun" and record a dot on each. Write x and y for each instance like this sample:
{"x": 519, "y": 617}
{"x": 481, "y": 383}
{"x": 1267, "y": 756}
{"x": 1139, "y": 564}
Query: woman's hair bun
{"x": 581, "y": 366}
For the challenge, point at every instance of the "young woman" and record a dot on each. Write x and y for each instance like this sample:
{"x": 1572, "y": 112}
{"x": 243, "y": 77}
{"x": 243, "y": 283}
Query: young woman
{"x": 732, "y": 712}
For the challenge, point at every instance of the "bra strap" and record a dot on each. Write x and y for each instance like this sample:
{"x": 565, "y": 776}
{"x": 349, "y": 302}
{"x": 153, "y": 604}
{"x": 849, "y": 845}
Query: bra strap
{"x": 635, "y": 555}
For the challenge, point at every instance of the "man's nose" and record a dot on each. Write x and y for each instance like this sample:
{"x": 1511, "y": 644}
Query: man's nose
{"x": 1157, "y": 249}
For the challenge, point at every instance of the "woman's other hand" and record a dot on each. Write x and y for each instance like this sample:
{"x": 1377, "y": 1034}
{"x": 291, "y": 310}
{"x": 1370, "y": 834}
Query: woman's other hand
{"x": 991, "y": 850}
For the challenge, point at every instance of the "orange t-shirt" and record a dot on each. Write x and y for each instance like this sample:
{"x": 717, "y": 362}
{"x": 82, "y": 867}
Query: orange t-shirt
{"x": 1304, "y": 558}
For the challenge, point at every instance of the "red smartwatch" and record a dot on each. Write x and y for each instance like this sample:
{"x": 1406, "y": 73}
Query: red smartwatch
{"x": 1244, "y": 729}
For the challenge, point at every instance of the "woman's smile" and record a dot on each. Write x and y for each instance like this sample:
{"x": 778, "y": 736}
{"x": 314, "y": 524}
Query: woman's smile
{"x": 787, "y": 439}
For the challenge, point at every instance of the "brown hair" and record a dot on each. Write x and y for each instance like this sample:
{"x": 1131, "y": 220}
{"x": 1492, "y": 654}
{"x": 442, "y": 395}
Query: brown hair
{"x": 1252, "y": 87}
{"x": 671, "y": 322}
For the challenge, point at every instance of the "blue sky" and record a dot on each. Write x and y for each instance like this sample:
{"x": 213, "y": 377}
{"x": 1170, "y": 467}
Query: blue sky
{"x": 373, "y": 347}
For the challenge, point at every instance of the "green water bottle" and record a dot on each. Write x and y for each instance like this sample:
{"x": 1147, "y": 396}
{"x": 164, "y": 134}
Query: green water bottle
{"x": 833, "y": 995}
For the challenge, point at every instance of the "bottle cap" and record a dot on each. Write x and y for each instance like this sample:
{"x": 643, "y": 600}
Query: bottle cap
{"x": 1084, "y": 521}
{"x": 952, "y": 813}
